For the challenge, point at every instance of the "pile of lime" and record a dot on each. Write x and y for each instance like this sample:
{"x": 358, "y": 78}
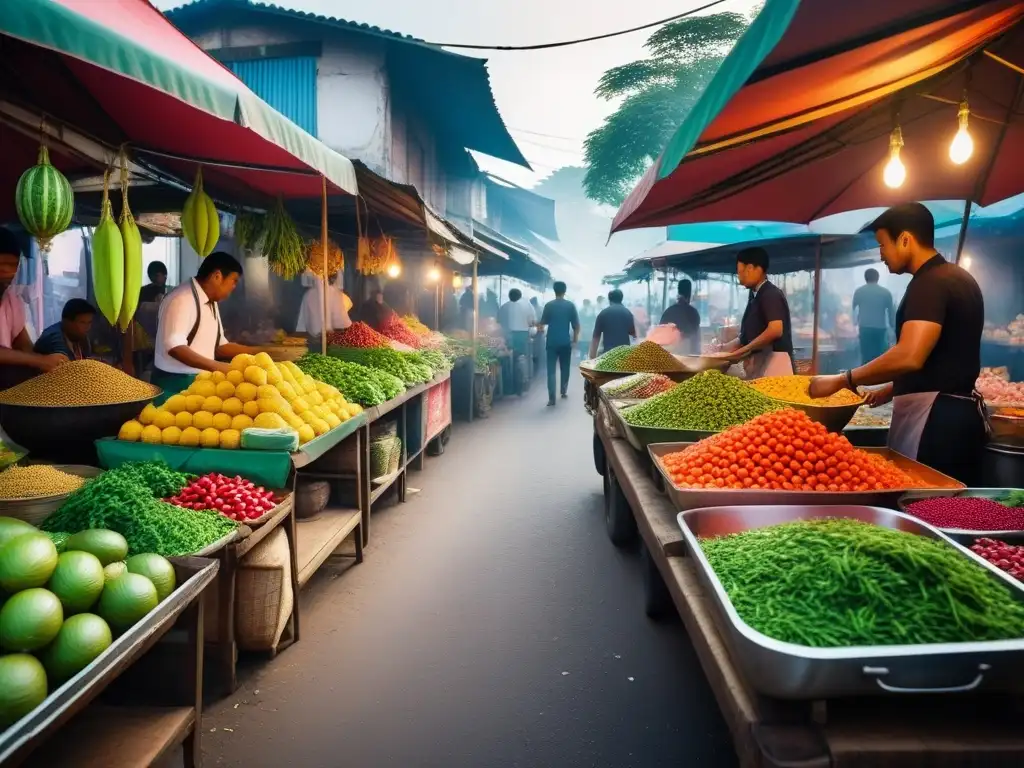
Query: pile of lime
{"x": 64, "y": 598}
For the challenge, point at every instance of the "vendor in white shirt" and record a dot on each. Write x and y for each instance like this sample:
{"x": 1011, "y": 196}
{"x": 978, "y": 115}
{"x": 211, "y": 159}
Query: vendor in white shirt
{"x": 311, "y": 311}
{"x": 190, "y": 336}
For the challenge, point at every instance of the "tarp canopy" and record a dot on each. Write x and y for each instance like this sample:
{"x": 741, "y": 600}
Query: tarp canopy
{"x": 796, "y": 123}
{"x": 124, "y": 75}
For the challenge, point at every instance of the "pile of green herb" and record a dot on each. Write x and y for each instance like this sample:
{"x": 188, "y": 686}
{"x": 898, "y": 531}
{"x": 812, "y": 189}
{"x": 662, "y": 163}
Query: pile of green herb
{"x": 357, "y": 383}
{"x": 1013, "y": 499}
{"x": 437, "y": 361}
{"x": 385, "y": 359}
{"x": 124, "y": 500}
{"x": 839, "y": 582}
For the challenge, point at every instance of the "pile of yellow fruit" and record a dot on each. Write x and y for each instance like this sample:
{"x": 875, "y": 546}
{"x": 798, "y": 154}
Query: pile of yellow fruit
{"x": 256, "y": 392}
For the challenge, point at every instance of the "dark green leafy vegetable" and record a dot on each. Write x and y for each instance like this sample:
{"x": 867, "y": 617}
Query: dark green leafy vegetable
{"x": 1013, "y": 499}
{"x": 839, "y": 582}
{"x": 123, "y": 500}
{"x": 357, "y": 383}
{"x": 385, "y": 359}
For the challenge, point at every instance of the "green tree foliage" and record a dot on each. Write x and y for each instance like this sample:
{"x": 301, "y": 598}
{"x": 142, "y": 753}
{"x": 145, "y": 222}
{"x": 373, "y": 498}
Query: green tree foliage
{"x": 656, "y": 94}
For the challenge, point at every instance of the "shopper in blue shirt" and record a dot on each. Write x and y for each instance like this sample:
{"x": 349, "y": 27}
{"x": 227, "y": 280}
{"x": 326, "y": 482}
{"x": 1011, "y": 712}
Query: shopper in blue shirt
{"x": 69, "y": 337}
{"x": 562, "y": 323}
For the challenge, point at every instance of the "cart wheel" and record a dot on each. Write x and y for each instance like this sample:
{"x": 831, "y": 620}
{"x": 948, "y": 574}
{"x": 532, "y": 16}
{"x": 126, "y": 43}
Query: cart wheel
{"x": 618, "y": 517}
{"x": 599, "y": 458}
{"x": 657, "y": 599}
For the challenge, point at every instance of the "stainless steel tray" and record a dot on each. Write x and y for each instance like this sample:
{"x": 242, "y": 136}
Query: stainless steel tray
{"x": 701, "y": 363}
{"x": 791, "y": 671}
{"x": 961, "y": 535}
{"x": 641, "y": 437}
{"x": 933, "y": 484}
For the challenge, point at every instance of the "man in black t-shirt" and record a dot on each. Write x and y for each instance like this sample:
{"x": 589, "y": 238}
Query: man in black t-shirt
{"x": 615, "y": 323}
{"x": 766, "y": 331}
{"x": 930, "y": 374}
{"x": 685, "y": 317}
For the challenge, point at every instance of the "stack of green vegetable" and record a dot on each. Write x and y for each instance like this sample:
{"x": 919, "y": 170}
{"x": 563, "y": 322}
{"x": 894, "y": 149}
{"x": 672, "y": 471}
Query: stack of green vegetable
{"x": 837, "y": 582}
{"x": 385, "y": 359}
{"x": 709, "y": 402}
{"x": 64, "y": 604}
{"x": 126, "y": 500}
{"x": 357, "y": 383}
{"x": 612, "y": 359}
{"x": 437, "y": 361}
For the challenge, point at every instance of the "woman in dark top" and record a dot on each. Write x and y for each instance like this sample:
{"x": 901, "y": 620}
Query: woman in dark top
{"x": 938, "y": 418}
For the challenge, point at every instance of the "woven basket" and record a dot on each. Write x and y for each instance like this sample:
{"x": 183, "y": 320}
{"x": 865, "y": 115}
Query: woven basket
{"x": 381, "y": 451}
{"x": 263, "y": 594}
{"x": 281, "y": 353}
{"x": 382, "y": 429}
{"x": 311, "y": 497}
{"x": 36, "y": 509}
{"x": 396, "y": 456}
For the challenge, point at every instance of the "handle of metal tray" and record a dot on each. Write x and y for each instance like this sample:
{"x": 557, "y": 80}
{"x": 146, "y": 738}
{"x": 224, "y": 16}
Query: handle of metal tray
{"x": 879, "y": 672}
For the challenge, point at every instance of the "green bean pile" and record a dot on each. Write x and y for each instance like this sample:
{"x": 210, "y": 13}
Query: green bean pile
{"x": 123, "y": 500}
{"x": 836, "y": 582}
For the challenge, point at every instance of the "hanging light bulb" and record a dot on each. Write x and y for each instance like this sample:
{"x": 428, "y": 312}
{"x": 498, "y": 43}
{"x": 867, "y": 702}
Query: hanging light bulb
{"x": 456, "y": 281}
{"x": 895, "y": 172}
{"x": 962, "y": 146}
{"x": 434, "y": 274}
{"x": 394, "y": 270}
{"x": 965, "y": 261}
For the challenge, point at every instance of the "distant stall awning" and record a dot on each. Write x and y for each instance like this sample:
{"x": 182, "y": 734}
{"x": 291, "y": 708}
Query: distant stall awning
{"x": 796, "y": 123}
{"x": 121, "y": 72}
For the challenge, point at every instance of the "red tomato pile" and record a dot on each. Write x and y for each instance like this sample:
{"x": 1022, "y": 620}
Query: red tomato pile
{"x": 1006, "y": 557}
{"x": 357, "y": 335}
{"x": 782, "y": 450}
{"x": 234, "y": 497}
{"x": 395, "y": 329}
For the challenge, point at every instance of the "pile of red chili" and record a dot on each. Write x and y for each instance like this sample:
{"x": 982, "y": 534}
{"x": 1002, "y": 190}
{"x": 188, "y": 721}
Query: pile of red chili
{"x": 1006, "y": 557}
{"x": 395, "y": 329}
{"x": 968, "y": 513}
{"x": 357, "y": 335}
{"x": 233, "y": 497}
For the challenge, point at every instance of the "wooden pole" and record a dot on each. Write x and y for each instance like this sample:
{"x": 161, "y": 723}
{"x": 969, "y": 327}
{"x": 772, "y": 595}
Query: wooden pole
{"x": 476, "y": 306}
{"x": 817, "y": 308}
{"x": 323, "y": 247}
{"x": 664, "y": 292}
{"x": 963, "y": 232}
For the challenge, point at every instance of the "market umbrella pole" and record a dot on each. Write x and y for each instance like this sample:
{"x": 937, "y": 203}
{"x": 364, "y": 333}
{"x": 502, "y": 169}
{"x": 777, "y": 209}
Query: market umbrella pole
{"x": 323, "y": 248}
{"x": 649, "y": 307}
{"x": 817, "y": 308}
{"x": 664, "y": 292}
{"x": 476, "y": 306}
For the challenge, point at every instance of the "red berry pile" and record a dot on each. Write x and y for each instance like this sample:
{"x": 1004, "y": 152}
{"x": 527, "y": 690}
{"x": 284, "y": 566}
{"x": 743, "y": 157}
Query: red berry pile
{"x": 357, "y": 335}
{"x": 1006, "y": 557}
{"x": 233, "y": 497}
{"x": 968, "y": 514}
{"x": 395, "y": 329}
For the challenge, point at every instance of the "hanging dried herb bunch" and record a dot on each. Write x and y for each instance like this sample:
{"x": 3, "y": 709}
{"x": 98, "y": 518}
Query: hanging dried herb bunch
{"x": 282, "y": 243}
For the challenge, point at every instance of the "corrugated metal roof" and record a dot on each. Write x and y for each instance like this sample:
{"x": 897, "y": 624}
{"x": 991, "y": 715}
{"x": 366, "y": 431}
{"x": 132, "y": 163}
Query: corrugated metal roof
{"x": 288, "y": 85}
{"x": 466, "y": 114}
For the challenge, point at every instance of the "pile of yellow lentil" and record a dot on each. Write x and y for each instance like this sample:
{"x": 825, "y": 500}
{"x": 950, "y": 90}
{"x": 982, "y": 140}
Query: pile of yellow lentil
{"x": 80, "y": 382}
{"x": 36, "y": 480}
{"x": 794, "y": 389}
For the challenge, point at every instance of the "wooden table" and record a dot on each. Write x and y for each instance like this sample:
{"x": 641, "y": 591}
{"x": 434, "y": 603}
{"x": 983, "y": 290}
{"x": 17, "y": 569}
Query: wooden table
{"x": 862, "y": 732}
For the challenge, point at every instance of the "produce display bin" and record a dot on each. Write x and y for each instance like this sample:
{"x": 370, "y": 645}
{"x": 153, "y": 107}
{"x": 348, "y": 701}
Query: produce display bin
{"x": 791, "y": 671}
{"x": 961, "y": 535}
{"x": 32, "y": 732}
{"x": 933, "y": 483}
{"x": 641, "y": 437}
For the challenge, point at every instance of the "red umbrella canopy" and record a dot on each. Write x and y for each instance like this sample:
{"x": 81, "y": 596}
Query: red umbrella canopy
{"x": 809, "y": 133}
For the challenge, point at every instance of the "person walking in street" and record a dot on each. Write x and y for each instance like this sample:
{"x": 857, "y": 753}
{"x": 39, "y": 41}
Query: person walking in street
{"x": 615, "y": 325}
{"x": 561, "y": 321}
{"x": 516, "y": 318}
{"x": 872, "y": 308}
{"x": 685, "y": 318}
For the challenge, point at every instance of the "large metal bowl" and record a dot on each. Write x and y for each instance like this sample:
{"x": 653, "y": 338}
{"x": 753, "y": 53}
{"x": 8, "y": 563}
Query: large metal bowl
{"x": 65, "y": 434}
{"x": 834, "y": 417}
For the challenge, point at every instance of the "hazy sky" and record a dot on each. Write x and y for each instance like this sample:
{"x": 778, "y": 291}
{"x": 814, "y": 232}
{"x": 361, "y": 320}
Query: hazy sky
{"x": 546, "y": 92}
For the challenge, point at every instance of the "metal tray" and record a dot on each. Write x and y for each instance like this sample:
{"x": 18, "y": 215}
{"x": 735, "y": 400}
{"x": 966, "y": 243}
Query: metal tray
{"x": 641, "y": 437}
{"x": 961, "y": 535}
{"x": 701, "y": 363}
{"x": 603, "y": 377}
{"x": 933, "y": 484}
{"x": 791, "y": 671}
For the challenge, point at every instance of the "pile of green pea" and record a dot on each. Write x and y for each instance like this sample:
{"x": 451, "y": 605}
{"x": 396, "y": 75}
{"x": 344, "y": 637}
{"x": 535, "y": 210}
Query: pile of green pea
{"x": 708, "y": 402}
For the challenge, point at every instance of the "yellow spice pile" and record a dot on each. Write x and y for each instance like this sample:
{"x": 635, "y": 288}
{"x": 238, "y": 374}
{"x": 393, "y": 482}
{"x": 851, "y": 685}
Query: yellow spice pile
{"x": 36, "y": 480}
{"x": 794, "y": 389}
{"x": 80, "y": 382}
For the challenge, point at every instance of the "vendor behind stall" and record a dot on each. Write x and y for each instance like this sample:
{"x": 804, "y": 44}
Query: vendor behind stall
{"x": 18, "y": 361}
{"x": 190, "y": 336}
{"x": 69, "y": 337}
{"x": 685, "y": 317}
{"x": 374, "y": 311}
{"x": 311, "y": 311}
{"x": 766, "y": 329}
{"x": 938, "y": 418}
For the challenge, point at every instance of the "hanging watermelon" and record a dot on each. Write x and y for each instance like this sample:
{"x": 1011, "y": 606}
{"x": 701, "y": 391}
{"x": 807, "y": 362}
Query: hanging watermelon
{"x": 44, "y": 200}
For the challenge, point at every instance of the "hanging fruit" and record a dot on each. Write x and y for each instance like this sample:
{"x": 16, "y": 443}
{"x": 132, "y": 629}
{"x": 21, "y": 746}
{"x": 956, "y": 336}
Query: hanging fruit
{"x": 250, "y": 230}
{"x": 44, "y": 200}
{"x": 315, "y": 258}
{"x": 200, "y": 222}
{"x": 364, "y": 256}
{"x": 132, "y": 240}
{"x": 282, "y": 243}
{"x": 108, "y": 260}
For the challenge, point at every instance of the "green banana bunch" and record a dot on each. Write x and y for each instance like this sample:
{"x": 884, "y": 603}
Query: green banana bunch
{"x": 199, "y": 220}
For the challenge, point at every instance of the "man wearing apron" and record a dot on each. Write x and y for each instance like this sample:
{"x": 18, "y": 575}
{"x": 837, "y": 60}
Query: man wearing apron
{"x": 766, "y": 330}
{"x": 938, "y": 418}
{"x": 190, "y": 336}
